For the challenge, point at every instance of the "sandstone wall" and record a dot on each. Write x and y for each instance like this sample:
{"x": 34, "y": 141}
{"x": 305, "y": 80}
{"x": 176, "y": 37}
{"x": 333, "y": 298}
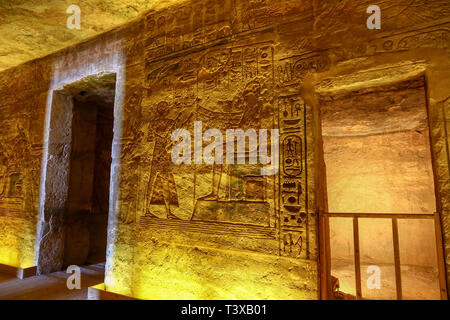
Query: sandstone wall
{"x": 249, "y": 64}
{"x": 22, "y": 109}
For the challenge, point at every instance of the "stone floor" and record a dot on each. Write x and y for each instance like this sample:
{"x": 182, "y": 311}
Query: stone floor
{"x": 51, "y": 286}
{"x": 418, "y": 283}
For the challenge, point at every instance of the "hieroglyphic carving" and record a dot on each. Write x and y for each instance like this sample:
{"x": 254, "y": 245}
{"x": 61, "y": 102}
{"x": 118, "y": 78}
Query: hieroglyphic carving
{"x": 431, "y": 37}
{"x": 406, "y": 12}
{"x": 293, "y": 216}
{"x": 254, "y": 14}
{"x": 225, "y": 88}
{"x": 428, "y": 37}
{"x": 292, "y": 244}
{"x": 293, "y": 70}
{"x": 183, "y": 27}
{"x": 223, "y": 68}
{"x": 292, "y": 154}
{"x": 346, "y": 53}
{"x": 229, "y": 88}
{"x": 246, "y": 72}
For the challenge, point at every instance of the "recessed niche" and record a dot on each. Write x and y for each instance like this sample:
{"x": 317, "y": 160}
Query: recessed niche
{"x": 377, "y": 154}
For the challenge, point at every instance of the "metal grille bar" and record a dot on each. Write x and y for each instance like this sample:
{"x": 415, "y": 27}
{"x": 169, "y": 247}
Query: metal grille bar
{"x": 394, "y": 218}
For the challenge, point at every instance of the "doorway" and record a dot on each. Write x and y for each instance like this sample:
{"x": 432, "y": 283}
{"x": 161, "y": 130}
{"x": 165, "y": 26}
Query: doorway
{"x": 77, "y": 186}
{"x": 382, "y": 234}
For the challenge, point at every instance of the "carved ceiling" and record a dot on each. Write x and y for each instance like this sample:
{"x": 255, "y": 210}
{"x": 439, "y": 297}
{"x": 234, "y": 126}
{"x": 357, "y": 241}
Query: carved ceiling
{"x": 30, "y": 29}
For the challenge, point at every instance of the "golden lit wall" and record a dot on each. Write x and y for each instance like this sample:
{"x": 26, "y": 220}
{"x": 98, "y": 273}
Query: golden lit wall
{"x": 248, "y": 64}
{"x": 21, "y": 117}
{"x": 224, "y": 231}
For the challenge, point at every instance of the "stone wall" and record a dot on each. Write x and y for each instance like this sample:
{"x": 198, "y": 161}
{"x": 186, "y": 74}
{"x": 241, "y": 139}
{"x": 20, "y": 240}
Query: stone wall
{"x": 218, "y": 232}
{"x": 21, "y": 113}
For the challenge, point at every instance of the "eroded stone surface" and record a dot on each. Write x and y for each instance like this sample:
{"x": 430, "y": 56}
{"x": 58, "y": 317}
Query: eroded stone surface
{"x": 33, "y": 29}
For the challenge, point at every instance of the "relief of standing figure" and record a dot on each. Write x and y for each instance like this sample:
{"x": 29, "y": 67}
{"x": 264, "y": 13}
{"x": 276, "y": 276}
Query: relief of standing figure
{"x": 161, "y": 188}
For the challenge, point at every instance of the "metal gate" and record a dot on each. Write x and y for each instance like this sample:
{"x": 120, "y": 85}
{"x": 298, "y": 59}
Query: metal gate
{"x": 326, "y": 278}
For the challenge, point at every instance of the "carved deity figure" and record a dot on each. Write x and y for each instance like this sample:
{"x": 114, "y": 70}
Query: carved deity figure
{"x": 251, "y": 107}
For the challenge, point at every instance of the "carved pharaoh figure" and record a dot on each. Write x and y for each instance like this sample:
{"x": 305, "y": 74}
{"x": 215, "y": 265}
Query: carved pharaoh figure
{"x": 161, "y": 188}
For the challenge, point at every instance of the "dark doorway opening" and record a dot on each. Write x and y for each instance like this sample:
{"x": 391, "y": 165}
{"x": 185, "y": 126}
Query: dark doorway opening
{"x": 88, "y": 195}
{"x": 74, "y": 216}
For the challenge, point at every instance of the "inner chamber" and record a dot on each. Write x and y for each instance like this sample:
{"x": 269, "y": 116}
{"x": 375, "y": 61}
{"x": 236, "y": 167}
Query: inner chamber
{"x": 89, "y": 182}
{"x": 378, "y": 160}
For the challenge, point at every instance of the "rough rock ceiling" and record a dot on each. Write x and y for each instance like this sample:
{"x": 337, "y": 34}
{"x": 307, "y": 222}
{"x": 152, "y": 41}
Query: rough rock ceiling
{"x": 31, "y": 29}
{"x": 372, "y": 111}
